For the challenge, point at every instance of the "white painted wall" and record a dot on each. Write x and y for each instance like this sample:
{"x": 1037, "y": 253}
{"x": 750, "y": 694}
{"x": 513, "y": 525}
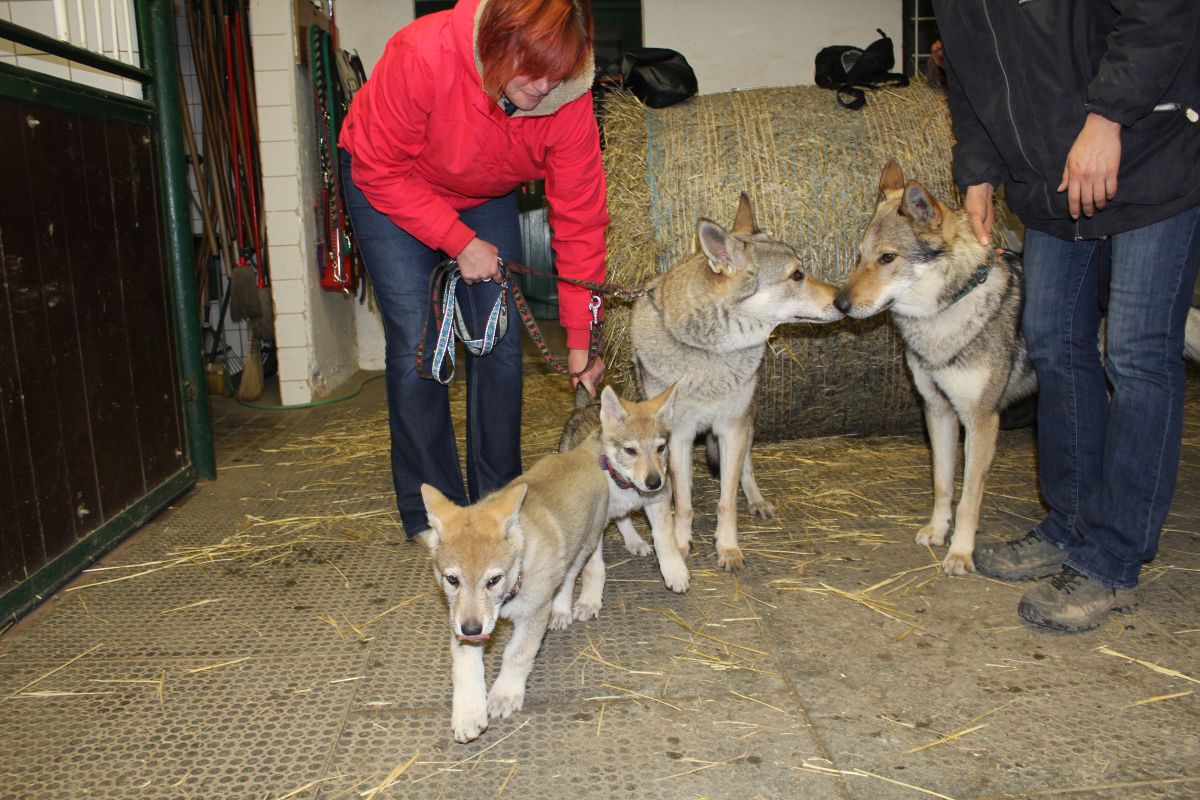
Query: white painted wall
{"x": 731, "y": 44}
{"x": 746, "y": 44}
{"x": 314, "y": 329}
{"x": 365, "y": 26}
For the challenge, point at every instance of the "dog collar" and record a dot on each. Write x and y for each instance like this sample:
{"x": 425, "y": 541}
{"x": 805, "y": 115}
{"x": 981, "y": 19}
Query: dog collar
{"x": 978, "y": 277}
{"x": 620, "y": 480}
{"x": 513, "y": 591}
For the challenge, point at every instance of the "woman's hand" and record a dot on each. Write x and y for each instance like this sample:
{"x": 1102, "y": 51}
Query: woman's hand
{"x": 479, "y": 261}
{"x": 980, "y": 211}
{"x": 576, "y": 361}
{"x": 1090, "y": 174}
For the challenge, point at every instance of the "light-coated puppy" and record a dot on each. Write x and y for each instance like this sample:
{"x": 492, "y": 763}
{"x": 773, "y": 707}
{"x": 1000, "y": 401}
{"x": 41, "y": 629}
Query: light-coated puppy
{"x": 516, "y": 554}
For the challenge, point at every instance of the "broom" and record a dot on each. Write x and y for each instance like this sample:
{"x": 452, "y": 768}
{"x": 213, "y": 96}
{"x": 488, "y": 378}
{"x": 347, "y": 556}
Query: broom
{"x": 251, "y": 385}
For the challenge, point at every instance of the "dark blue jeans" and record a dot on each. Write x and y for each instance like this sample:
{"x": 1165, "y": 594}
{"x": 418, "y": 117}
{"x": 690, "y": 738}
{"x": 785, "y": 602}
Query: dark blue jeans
{"x": 1107, "y": 463}
{"x": 424, "y": 448}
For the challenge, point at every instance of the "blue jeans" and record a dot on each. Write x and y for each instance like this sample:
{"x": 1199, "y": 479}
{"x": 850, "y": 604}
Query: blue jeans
{"x": 1107, "y": 463}
{"x": 424, "y": 449}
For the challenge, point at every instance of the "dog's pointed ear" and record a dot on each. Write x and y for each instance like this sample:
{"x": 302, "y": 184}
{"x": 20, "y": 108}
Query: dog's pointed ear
{"x": 892, "y": 180}
{"x": 922, "y": 207}
{"x": 719, "y": 246}
{"x": 612, "y": 411}
{"x": 664, "y": 403}
{"x": 508, "y": 507}
{"x": 430, "y": 538}
{"x": 744, "y": 223}
{"x": 437, "y": 506}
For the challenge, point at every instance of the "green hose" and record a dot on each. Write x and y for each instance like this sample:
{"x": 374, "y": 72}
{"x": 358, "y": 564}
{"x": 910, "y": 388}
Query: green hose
{"x": 314, "y": 403}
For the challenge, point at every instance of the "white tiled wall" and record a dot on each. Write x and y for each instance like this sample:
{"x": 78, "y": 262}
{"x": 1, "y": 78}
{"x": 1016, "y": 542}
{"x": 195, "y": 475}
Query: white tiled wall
{"x": 314, "y": 330}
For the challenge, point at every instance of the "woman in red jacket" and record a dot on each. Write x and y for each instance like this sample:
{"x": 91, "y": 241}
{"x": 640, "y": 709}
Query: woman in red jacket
{"x": 463, "y": 107}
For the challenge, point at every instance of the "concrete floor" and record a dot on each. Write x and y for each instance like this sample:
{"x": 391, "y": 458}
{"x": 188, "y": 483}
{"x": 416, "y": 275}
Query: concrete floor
{"x": 274, "y": 636}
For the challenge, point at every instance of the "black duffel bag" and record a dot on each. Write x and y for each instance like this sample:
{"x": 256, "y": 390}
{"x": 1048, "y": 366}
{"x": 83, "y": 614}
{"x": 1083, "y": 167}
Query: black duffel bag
{"x": 848, "y": 70}
{"x": 658, "y": 76}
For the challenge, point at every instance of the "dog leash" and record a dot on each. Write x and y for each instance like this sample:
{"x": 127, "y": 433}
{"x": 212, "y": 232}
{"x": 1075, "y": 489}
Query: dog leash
{"x": 447, "y": 317}
{"x": 450, "y": 324}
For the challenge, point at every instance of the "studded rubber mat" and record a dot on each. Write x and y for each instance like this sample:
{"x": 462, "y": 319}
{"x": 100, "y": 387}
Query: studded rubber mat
{"x": 274, "y": 635}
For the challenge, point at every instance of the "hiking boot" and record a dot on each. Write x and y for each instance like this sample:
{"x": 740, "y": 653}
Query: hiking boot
{"x": 1071, "y": 601}
{"x": 1020, "y": 559}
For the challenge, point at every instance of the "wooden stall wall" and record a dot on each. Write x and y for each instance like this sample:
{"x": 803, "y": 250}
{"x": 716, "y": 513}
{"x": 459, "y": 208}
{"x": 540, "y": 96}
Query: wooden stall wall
{"x": 90, "y": 419}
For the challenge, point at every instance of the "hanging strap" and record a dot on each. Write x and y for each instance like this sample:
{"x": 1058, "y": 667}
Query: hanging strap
{"x": 450, "y": 323}
{"x": 852, "y": 96}
{"x": 447, "y": 319}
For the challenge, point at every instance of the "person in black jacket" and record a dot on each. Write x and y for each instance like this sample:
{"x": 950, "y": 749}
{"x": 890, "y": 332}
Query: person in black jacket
{"x": 1086, "y": 112}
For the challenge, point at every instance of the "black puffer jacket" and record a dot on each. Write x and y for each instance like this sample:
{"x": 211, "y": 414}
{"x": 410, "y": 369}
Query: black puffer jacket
{"x": 1024, "y": 74}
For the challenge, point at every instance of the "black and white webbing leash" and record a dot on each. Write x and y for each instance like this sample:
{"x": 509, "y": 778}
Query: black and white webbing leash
{"x": 443, "y": 309}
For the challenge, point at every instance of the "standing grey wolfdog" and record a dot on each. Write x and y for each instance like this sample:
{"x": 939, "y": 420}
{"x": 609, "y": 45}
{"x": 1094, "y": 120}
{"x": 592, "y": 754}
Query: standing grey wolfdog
{"x": 703, "y": 325}
{"x": 956, "y": 303}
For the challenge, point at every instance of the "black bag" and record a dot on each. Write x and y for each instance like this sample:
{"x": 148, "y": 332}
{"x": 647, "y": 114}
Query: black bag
{"x": 845, "y": 68}
{"x": 657, "y": 76}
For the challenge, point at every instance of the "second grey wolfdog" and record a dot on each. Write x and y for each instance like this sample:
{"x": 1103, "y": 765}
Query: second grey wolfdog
{"x": 957, "y": 306}
{"x": 703, "y": 325}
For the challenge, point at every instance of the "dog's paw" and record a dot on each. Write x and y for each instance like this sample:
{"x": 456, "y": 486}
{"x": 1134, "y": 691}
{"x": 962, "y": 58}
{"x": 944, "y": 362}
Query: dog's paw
{"x": 958, "y": 563}
{"x": 503, "y": 700}
{"x": 468, "y": 723}
{"x": 932, "y": 534}
{"x": 561, "y": 620}
{"x": 763, "y": 509}
{"x": 730, "y": 559}
{"x": 586, "y": 610}
{"x": 638, "y": 547}
{"x": 677, "y": 578}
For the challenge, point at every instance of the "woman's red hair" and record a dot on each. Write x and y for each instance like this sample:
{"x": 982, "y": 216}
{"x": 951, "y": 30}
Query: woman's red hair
{"x": 536, "y": 38}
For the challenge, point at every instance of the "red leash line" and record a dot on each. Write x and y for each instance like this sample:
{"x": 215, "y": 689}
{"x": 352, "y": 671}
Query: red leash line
{"x": 615, "y": 289}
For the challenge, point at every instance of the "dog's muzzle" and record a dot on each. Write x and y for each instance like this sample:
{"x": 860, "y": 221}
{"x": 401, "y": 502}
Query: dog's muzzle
{"x": 472, "y": 632}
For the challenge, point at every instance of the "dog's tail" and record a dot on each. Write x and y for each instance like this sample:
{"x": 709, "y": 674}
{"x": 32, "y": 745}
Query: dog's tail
{"x": 582, "y": 398}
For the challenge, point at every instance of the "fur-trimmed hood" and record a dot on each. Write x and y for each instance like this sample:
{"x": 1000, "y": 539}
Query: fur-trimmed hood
{"x": 565, "y": 92}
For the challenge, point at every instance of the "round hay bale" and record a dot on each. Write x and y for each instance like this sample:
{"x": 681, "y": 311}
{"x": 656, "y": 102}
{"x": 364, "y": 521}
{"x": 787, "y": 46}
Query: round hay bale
{"x": 812, "y": 170}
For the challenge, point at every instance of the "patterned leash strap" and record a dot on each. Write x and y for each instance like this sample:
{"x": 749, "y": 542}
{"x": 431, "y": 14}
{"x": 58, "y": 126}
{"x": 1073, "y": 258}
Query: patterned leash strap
{"x": 447, "y": 319}
{"x": 614, "y": 289}
{"x": 539, "y": 341}
{"x": 449, "y": 322}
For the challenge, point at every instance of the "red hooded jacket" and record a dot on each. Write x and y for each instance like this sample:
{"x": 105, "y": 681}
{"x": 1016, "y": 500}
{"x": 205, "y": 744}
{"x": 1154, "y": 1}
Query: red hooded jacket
{"x": 427, "y": 142}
